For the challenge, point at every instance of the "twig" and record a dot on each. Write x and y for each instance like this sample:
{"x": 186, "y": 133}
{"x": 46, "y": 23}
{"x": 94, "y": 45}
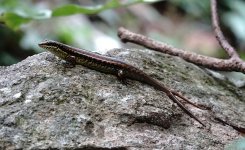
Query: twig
{"x": 234, "y": 63}
{"x": 218, "y": 33}
{"x": 236, "y": 127}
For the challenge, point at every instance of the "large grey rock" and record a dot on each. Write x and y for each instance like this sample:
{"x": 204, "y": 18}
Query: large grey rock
{"x": 45, "y": 105}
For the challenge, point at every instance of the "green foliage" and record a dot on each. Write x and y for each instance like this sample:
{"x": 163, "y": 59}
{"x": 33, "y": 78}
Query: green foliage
{"x": 195, "y": 8}
{"x": 74, "y": 9}
{"x": 14, "y": 20}
{"x": 7, "y": 59}
{"x": 14, "y": 13}
{"x": 235, "y": 18}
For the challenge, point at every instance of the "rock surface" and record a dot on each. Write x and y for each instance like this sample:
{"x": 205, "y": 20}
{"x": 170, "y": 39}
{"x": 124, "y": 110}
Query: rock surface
{"x": 44, "y": 105}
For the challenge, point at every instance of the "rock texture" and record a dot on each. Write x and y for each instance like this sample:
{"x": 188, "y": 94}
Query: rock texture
{"x": 44, "y": 105}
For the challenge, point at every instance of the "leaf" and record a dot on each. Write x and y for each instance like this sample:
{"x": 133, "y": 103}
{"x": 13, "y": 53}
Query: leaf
{"x": 75, "y": 9}
{"x": 13, "y": 20}
{"x": 14, "y": 13}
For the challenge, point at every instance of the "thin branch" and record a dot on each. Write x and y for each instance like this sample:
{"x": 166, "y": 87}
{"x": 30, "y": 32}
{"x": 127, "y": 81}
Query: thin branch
{"x": 218, "y": 33}
{"x": 234, "y": 63}
{"x": 208, "y": 62}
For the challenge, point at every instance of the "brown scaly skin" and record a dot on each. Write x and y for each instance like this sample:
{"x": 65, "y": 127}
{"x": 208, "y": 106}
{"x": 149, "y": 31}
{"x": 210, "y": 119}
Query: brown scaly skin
{"x": 112, "y": 66}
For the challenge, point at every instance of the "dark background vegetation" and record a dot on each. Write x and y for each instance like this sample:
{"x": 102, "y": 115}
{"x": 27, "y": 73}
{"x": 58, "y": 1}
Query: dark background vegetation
{"x": 183, "y": 23}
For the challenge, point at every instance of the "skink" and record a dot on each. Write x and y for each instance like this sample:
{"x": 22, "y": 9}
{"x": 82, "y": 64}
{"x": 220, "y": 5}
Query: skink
{"x": 111, "y": 66}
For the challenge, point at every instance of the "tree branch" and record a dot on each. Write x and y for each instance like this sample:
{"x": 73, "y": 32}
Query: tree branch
{"x": 234, "y": 63}
{"x": 218, "y": 33}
